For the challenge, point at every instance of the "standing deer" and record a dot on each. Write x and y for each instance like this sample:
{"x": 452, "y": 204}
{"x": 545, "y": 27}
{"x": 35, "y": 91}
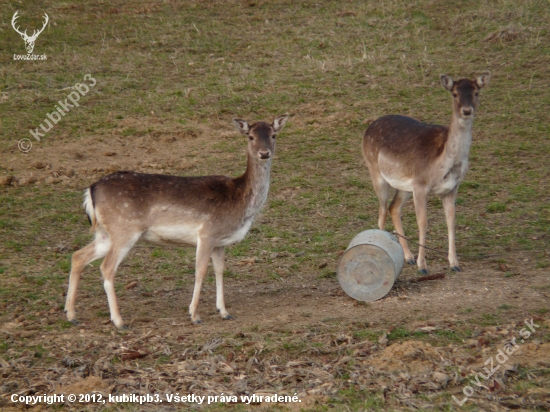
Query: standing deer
{"x": 419, "y": 159}
{"x": 29, "y": 40}
{"x": 209, "y": 212}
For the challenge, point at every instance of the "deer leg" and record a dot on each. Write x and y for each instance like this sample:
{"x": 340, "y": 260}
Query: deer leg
{"x": 204, "y": 250}
{"x": 80, "y": 259}
{"x": 421, "y": 207}
{"x": 218, "y": 262}
{"x": 396, "y": 206}
{"x": 381, "y": 188}
{"x": 108, "y": 268}
{"x": 448, "y": 201}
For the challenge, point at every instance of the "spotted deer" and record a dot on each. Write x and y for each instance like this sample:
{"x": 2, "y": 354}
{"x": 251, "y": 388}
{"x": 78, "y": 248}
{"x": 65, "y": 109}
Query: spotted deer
{"x": 419, "y": 159}
{"x": 209, "y": 212}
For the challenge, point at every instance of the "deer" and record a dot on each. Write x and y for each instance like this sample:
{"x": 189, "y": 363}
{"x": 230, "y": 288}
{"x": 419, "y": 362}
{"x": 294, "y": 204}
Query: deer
{"x": 207, "y": 212}
{"x": 29, "y": 40}
{"x": 419, "y": 160}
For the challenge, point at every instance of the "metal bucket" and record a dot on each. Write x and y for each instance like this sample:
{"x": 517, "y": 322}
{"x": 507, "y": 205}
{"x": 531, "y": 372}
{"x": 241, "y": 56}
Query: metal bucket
{"x": 369, "y": 266}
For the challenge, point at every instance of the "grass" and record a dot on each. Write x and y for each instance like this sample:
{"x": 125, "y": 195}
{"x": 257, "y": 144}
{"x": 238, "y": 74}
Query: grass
{"x": 334, "y": 67}
{"x": 488, "y": 319}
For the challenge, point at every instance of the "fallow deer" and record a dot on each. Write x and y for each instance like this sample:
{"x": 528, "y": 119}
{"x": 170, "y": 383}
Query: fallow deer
{"x": 419, "y": 159}
{"x": 209, "y": 212}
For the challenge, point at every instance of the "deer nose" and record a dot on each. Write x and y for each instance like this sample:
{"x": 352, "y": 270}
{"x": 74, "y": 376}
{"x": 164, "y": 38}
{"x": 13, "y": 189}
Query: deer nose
{"x": 467, "y": 111}
{"x": 264, "y": 154}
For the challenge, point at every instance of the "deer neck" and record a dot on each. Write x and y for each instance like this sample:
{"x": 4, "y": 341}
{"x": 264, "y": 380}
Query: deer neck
{"x": 256, "y": 181}
{"x": 459, "y": 138}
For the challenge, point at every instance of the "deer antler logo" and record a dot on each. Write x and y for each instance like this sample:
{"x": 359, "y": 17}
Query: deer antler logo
{"x": 29, "y": 40}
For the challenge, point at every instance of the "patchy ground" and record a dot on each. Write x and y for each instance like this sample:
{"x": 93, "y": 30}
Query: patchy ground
{"x": 170, "y": 77}
{"x": 292, "y": 335}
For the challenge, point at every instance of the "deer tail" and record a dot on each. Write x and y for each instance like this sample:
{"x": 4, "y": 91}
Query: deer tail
{"x": 90, "y": 209}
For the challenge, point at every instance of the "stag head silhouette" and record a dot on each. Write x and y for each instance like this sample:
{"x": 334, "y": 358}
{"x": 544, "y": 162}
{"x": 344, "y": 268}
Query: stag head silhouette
{"x": 29, "y": 40}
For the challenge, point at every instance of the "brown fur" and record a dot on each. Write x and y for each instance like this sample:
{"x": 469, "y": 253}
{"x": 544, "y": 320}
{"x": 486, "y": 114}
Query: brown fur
{"x": 143, "y": 192}
{"x": 403, "y": 136}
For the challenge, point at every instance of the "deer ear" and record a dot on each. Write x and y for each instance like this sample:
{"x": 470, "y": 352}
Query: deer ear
{"x": 483, "y": 80}
{"x": 279, "y": 123}
{"x": 447, "y": 82}
{"x": 242, "y": 125}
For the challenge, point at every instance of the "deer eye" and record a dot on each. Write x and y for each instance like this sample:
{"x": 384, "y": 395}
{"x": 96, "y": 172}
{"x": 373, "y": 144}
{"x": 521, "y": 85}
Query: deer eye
{"x": 477, "y": 93}
{"x": 274, "y": 136}
{"x": 455, "y": 94}
{"x": 251, "y": 137}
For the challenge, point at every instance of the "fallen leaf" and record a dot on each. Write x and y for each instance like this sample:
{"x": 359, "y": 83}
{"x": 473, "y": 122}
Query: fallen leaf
{"x": 132, "y": 355}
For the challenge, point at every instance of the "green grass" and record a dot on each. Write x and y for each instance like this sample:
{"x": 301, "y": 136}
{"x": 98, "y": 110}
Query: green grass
{"x": 488, "y": 319}
{"x": 358, "y": 400}
{"x": 496, "y": 207}
{"x": 364, "y": 334}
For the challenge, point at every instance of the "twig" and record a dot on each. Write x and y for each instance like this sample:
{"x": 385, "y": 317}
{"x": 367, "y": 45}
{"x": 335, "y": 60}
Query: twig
{"x": 429, "y": 277}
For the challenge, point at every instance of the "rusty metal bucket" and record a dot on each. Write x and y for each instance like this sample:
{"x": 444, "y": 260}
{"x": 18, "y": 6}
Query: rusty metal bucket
{"x": 369, "y": 266}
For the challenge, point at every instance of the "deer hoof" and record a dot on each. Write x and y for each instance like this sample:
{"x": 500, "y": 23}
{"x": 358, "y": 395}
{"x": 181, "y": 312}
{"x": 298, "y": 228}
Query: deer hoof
{"x": 456, "y": 269}
{"x": 121, "y": 326}
{"x": 197, "y": 322}
{"x": 411, "y": 262}
{"x": 74, "y": 322}
{"x": 228, "y": 317}
{"x": 423, "y": 271}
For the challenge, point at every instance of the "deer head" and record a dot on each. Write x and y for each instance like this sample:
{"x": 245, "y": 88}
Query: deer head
{"x": 29, "y": 40}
